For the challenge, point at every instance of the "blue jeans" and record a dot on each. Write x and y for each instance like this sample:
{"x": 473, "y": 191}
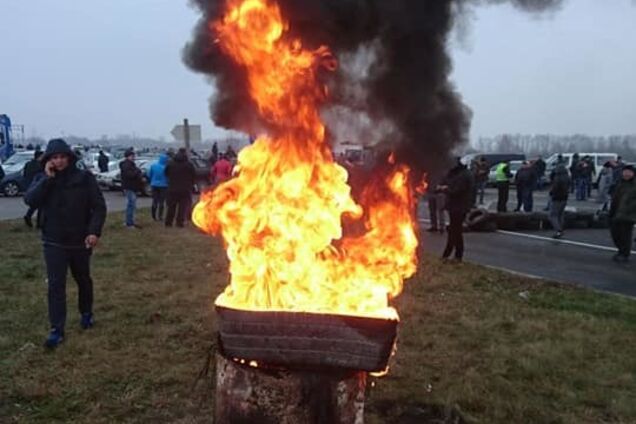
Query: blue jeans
{"x": 131, "y": 205}
{"x": 581, "y": 189}
{"x": 58, "y": 261}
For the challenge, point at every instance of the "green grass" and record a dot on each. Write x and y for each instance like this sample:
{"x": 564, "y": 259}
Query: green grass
{"x": 469, "y": 345}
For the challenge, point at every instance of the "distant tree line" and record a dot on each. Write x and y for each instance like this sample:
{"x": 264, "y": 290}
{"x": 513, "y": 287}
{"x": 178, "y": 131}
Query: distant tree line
{"x": 547, "y": 144}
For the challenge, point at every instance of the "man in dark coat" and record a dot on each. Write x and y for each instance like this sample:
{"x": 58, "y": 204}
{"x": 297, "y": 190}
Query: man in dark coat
{"x": 102, "y": 161}
{"x": 559, "y": 198}
{"x": 131, "y": 182}
{"x": 458, "y": 186}
{"x": 31, "y": 169}
{"x": 539, "y": 166}
{"x": 623, "y": 214}
{"x": 181, "y": 176}
{"x": 73, "y": 212}
{"x": 526, "y": 182}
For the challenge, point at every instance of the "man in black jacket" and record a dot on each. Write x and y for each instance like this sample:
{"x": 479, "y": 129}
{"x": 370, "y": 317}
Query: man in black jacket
{"x": 526, "y": 181}
{"x": 102, "y": 161}
{"x": 31, "y": 169}
{"x": 458, "y": 186}
{"x": 131, "y": 182}
{"x": 559, "y": 198}
{"x": 181, "y": 175}
{"x": 73, "y": 212}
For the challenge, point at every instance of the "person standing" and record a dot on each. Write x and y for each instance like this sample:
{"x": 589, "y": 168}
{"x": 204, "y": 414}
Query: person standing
{"x": 222, "y": 170}
{"x": 623, "y": 214}
{"x": 503, "y": 176}
{"x": 480, "y": 172}
{"x": 131, "y": 182}
{"x": 181, "y": 176}
{"x": 102, "y": 161}
{"x": 436, "y": 206}
{"x": 539, "y": 167}
{"x": 73, "y": 211}
{"x": 458, "y": 187}
{"x": 574, "y": 174}
{"x": 159, "y": 186}
{"x": 525, "y": 181}
{"x": 617, "y": 172}
{"x": 31, "y": 169}
{"x": 605, "y": 182}
{"x": 559, "y": 193}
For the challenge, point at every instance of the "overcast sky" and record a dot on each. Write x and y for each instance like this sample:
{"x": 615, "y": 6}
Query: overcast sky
{"x": 113, "y": 67}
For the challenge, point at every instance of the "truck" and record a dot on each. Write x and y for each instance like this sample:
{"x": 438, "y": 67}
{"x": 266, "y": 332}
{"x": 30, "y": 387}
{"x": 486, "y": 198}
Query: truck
{"x": 6, "y": 143}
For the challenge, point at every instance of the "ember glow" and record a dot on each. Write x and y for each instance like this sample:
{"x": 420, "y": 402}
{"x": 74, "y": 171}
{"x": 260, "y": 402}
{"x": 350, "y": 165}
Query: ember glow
{"x": 281, "y": 217}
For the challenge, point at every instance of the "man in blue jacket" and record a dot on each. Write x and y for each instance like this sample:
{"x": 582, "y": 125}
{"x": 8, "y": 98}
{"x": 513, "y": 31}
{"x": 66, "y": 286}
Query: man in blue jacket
{"x": 159, "y": 185}
{"x": 72, "y": 214}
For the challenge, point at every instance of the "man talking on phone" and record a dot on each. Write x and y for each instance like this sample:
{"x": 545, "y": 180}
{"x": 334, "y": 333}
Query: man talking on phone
{"x": 72, "y": 214}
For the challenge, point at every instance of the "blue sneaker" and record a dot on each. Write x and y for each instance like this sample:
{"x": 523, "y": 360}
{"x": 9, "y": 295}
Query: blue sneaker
{"x": 87, "y": 321}
{"x": 54, "y": 339}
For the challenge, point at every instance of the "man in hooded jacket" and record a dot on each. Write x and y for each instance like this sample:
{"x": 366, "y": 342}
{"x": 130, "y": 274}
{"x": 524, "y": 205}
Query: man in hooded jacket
{"x": 72, "y": 214}
{"x": 458, "y": 186}
{"x": 181, "y": 176}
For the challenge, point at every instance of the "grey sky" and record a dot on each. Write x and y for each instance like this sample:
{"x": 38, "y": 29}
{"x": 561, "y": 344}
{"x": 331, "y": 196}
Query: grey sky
{"x": 113, "y": 67}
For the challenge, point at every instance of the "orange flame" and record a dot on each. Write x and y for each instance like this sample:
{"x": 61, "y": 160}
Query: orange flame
{"x": 281, "y": 216}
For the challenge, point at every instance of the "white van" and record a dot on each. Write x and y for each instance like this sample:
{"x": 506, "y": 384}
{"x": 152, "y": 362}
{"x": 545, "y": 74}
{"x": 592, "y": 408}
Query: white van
{"x": 598, "y": 159}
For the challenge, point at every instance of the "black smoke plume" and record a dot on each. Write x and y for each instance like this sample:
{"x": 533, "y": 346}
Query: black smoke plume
{"x": 396, "y": 89}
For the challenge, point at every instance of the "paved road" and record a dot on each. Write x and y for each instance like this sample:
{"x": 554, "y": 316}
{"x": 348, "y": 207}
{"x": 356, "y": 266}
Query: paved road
{"x": 583, "y": 257}
{"x": 14, "y": 207}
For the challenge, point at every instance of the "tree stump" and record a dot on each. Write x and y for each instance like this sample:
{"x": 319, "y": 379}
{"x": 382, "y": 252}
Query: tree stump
{"x": 246, "y": 394}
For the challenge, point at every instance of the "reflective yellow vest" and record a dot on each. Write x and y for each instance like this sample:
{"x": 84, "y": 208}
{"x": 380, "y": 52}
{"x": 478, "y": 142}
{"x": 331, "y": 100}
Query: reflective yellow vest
{"x": 501, "y": 172}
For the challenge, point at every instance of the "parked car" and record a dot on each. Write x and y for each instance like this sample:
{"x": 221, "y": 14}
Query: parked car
{"x": 106, "y": 180}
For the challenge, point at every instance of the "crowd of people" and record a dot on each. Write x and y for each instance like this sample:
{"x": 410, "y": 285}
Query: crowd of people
{"x": 72, "y": 209}
{"x": 463, "y": 188}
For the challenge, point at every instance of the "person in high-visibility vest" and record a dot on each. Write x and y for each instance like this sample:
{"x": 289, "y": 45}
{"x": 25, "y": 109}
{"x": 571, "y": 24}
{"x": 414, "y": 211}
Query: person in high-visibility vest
{"x": 503, "y": 176}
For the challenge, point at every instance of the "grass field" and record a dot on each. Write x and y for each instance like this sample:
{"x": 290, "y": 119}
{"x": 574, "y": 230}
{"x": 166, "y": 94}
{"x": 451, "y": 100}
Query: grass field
{"x": 471, "y": 349}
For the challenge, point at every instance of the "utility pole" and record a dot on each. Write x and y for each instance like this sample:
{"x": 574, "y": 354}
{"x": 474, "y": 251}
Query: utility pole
{"x": 186, "y": 135}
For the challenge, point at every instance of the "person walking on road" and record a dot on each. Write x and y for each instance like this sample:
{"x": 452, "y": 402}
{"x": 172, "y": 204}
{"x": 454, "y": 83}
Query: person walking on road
{"x": 181, "y": 176}
{"x": 559, "y": 193}
{"x": 623, "y": 214}
{"x": 458, "y": 187}
{"x": 159, "y": 186}
{"x": 526, "y": 182}
{"x": 102, "y": 161}
{"x": 31, "y": 169}
{"x": 503, "y": 176}
{"x": 131, "y": 182}
{"x": 73, "y": 213}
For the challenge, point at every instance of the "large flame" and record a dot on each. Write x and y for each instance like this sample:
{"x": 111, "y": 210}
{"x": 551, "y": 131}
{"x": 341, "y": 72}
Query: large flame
{"x": 281, "y": 217}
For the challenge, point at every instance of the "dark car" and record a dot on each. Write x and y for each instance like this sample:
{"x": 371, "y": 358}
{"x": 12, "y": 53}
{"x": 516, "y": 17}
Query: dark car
{"x": 202, "y": 176}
